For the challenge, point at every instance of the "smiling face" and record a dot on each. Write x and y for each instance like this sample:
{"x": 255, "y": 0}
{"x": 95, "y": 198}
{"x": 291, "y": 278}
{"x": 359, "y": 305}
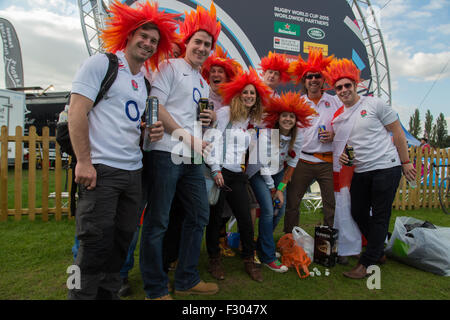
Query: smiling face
{"x": 217, "y": 76}
{"x": 198, "y": 48}
{"x": 314, "y": 82}
{"x": 248, "y": 96}
{"x": 272, "y": 78}
{"x": 346, "y": 91}
{"x": 142, "y": 44}
{"x": 287, "y": 122}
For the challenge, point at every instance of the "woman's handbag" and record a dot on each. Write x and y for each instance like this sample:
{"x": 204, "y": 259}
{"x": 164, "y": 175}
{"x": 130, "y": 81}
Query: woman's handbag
{"x": 212, "y": 188}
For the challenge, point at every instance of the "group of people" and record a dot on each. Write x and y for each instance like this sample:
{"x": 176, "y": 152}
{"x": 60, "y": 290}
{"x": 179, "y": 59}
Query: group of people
{"x": 125, "y": 167}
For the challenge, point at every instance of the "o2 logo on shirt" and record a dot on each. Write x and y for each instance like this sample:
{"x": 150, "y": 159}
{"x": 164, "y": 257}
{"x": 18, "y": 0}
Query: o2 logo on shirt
{"x": 196, "y": 95}
{"x": 132, "y": 111}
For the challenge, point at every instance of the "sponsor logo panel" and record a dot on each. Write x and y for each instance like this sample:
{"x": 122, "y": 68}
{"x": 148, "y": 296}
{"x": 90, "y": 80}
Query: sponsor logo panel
{"x": 316, "y": 33}
{"x": 290, "y": 29}
{"x": 307, "y": 45}
{"x": 286, "y": 44}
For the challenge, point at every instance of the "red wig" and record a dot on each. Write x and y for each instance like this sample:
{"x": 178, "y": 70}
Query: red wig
{"x": 342, "y": 68}
{"x": 126, "y": 20}
{"x": 219, "y": 58}
{"x": 289, "y": 102}
{"x": 316, "y": 63}
{"x": 201, "y": 19}
{"x": 179, "y": 42}
{"x": 230, "y": 89}
{"x": 278, "y": 62}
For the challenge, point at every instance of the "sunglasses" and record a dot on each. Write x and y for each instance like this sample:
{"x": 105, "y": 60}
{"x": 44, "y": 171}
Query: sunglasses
{"x": 314, "y": 75}
{"x": 341, "y": 86}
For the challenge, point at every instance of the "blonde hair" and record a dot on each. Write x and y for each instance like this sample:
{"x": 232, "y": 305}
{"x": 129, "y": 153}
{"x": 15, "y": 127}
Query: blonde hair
{"x": 239, "y": 112}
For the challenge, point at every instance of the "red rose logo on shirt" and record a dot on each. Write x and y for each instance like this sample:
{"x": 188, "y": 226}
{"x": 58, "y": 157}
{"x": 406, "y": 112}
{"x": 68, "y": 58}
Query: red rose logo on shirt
{"x": 327, "y": 104}
{"x": 363, "y": 113}
{"x": 292, "y": 154}
{"x": 134, "y": 85}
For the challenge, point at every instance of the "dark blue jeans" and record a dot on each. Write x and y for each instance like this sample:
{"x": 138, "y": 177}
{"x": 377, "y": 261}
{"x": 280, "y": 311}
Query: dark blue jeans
{"x": 267, "y": 221}
{"x": 374, "y": 190}
{"x": 188, "y": 182}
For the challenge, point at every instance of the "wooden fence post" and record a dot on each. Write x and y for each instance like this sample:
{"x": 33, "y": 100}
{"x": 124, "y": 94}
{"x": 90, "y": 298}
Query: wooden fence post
{"x": 58, "y": 187}
{"x": 4, "y": 174}
{"x": 31, "y": 173}
{"x": 45, "y": 171}
{"x": 18, "y": 174}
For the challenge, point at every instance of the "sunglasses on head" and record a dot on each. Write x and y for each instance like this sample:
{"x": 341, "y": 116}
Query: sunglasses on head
{"x": 346, "y": 86}
{"x": 314, "y": 75}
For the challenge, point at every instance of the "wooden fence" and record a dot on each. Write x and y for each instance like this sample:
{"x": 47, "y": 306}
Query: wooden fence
{"x": 425, "y": 195}
{"x": 38, "y": 154}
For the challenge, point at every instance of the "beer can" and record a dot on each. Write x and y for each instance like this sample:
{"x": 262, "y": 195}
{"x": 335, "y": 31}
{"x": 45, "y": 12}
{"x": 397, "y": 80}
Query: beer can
{"x": 322, "y": 128}
{"x": 151, "y": 111}
{"x": 350, "y": 154}
{"x": 202, "y": 106}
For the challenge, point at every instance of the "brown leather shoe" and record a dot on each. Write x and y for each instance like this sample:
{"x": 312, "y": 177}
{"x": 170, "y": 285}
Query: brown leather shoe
{"x": 358, "y": 272}
{"x": 253, "y": 271}
{"x": 202, "y": 288}
{"x": 215, "y": 268}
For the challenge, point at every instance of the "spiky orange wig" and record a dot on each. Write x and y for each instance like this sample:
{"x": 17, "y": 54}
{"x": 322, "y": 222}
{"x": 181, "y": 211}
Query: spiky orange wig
{"x": 230, "y": 89}
{"x": 219, "y": 58}
{"x": 179, "y": 42}
{"x": 125, "y": 20}
{"x": 201, "y": 19}
{"x": 278, "y": 62}
{"x": 289, "y": 102}
{"x": 341, "y": 68}
{"x": 316, "y": 63}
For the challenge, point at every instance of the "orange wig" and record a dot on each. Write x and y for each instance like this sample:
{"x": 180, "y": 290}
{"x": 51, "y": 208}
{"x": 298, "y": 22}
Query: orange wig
{"x": 316, "y": 63}
{"x": 342, "y": 68}
{"x": 289, "y": 102}
{"x": 230, "y": 89}
{"x": 201, "y": 19}
{"x": 125, "y": 20}
{"x": 219, "y": 58}
{"x": 278, "y": 62}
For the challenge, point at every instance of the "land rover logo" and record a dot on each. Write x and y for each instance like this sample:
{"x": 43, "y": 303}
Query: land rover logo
{"x": 316, "y": 33}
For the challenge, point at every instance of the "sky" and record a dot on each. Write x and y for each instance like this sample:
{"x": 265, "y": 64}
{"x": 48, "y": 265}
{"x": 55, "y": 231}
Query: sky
{"x": 416, "y": 35}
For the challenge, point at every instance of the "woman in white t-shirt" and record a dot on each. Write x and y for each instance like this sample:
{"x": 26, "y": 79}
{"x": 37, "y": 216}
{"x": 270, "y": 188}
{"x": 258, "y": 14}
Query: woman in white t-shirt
{"x": 284, "y": 113}
{"x": 243, "y": 100}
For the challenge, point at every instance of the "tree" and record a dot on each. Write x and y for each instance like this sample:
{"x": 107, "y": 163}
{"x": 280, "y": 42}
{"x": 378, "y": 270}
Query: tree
{"x": 441, "y": 131}
{"x": 428, "y": 124}
{"x": 414, "y": 124}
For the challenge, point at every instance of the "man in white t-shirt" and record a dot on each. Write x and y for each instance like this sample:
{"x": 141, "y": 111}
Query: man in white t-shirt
{"x": 315, "y": 161}
{"x": 179, "y": 87}
{"x": 365, "y": 123}
{"x": 105, "y": 139}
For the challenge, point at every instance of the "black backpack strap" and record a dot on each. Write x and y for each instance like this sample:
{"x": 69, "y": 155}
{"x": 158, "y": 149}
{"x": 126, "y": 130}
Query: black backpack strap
{"x": 110, "y": 77}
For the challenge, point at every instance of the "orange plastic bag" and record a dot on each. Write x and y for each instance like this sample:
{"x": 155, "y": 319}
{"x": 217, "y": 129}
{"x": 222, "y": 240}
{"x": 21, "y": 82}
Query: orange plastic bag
{"x": 292, "y": 255}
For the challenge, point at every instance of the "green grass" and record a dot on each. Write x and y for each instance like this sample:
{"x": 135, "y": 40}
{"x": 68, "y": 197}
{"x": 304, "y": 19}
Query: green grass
{"x": 51, "y": 187}
{"x": 34, "y": 257}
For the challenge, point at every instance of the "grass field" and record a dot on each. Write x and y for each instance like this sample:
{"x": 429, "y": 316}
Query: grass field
{"x": 34, "y": 257}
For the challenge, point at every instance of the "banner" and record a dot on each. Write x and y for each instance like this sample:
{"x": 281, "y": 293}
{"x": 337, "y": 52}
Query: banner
{"x": 12, "y": 55}
{"x": 250, "y": 29}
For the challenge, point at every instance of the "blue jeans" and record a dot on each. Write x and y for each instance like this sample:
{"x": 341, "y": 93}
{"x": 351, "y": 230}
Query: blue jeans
{"x": 188, "y": 182}
{"x": 267, "y": 221}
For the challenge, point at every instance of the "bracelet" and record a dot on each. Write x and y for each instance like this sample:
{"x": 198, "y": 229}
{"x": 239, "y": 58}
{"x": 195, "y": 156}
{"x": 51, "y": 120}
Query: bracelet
{"x": 406, "y": 162}
{"x": 215, "y": 173}
{"x": 281, "y": 186}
